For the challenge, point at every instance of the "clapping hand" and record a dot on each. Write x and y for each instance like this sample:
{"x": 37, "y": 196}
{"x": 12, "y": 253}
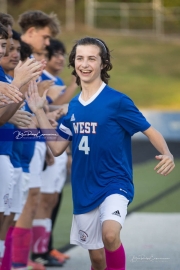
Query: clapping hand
{"x": 24, "y": 72}
{"x": 9, "y": 94}
{"x": 21, "y": 119}
{"x": 44, "y": 85}
{"x": 35, "y": 102}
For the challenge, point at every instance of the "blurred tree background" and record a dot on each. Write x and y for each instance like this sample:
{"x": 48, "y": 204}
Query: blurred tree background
{"x": 15, "y": 7}
{"x": 144, "y": 67}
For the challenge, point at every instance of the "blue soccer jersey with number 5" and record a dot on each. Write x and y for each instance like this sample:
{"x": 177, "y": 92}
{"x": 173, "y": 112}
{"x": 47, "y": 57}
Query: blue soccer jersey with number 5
{"x": 101, "y": 130}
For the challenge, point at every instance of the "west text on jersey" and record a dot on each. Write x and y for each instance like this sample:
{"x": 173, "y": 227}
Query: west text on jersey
{"x": 85, "y": 127}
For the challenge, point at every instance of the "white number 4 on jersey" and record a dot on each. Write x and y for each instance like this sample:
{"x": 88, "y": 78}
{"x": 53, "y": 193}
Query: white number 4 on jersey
{"x": 83, "y": 145}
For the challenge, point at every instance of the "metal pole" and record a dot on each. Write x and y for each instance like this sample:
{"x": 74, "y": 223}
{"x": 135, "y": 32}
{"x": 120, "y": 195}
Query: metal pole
{"x": 158, "y": 17}
{"x": 89, "y": 13}
{"x": 124, "y": 13}
{"x": 70, "y": 14}
{"x": 3, "y": 6}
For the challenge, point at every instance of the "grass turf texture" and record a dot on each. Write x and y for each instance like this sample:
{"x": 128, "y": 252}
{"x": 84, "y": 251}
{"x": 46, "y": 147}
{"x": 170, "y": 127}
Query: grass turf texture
{"x": 147, "y": 185}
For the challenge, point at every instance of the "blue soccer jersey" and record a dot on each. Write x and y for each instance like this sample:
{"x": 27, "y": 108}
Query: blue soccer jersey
{"x": 2, "y": 75}
{"x": 48, "y": 76}
{"x": 28, "y": 148}
{"x": 20, "y": 152}
{"x": 27, "y": 154}
{"x": 57, "y": 81}
{"x": 101, "y": 130}
{"x": 5, "y": 146}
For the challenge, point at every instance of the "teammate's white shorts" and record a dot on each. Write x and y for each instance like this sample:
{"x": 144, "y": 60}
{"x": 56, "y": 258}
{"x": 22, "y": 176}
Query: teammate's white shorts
{"x": 6, "y": 181}
{"x": 86, "y": 230}
{"x": 25, "y": 190}
{"x": 15, "y": 194}
{"x": 54, "y": 176}
{"x": 37, "y": 164}
{"x": 25, "y": 186}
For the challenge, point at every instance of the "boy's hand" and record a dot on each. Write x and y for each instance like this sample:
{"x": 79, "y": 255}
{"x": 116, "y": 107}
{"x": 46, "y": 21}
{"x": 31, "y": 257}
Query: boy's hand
{"x": 24, "y": 72}
{"x": 9, "y": 93}
{"x": 35, "y": 102}
{"x": 166, "y": 165}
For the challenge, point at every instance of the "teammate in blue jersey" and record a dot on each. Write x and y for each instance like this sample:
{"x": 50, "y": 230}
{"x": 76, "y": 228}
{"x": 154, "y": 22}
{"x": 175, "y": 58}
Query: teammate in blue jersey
{"x": 23, "y": 73}
{"x": 55, "y": 54}
{"x": 7, "y": 92}
{"x": 7, "y": 205}
{"x": 37, "y": 28}
{"x": 100, "y": 122}
{"x": 54, "y": 175}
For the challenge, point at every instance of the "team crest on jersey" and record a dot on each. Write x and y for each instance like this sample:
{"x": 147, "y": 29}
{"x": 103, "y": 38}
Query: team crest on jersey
{"x": 83, "y": 236}
{"x": 73, "y": 117}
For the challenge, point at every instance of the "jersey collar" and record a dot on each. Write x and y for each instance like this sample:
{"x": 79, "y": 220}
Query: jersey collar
{"x": 87, "y": 102}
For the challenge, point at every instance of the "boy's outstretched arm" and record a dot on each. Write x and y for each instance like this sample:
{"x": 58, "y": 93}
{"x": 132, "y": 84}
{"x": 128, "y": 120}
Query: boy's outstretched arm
{"x": 166, "y": 164}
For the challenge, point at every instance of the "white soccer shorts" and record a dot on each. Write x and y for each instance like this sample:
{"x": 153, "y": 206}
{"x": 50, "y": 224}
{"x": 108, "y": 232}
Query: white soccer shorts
{"x": 37, "y": 164}
{"x": 6, "y": 181}
{"x": 54, "y": 176}
{"x": 15, "y": 194}
{"x": 24, "y": 190}
{"x": 25, "y": 187}
{"x": 86, "y": 230}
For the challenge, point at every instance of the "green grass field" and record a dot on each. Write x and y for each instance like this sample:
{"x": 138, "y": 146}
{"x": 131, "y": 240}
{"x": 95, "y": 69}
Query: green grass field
{"x": 147, "y": 70}
{"x": 147, "y": 185}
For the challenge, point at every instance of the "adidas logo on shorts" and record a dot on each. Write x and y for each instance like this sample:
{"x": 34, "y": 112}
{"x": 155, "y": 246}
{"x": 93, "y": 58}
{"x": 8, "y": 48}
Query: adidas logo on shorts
{"x": 117, "y": 213}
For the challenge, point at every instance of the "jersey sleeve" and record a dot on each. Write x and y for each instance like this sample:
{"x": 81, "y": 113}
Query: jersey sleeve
{"x": 130, "y": 118}
{"x": 64, "y": 128}
{"x": 2, "y": 76}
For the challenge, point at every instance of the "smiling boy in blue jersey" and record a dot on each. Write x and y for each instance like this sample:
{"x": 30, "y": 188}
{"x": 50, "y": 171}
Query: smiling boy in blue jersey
{"x": 100, "y": 122}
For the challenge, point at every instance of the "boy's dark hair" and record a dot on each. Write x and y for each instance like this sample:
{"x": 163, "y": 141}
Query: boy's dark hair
{"x": 6, "y": 19}
{"x": 39, "y": 19}
{"x": 55, "y": 46}
{"x": 104, "y": 54}
{"x": 25, "y": 51}
{"x": 3, "y": 31}
{"x": 16, "y": 36}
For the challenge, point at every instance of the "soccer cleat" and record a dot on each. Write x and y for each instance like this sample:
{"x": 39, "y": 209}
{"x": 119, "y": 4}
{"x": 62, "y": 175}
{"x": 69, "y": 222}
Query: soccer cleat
{"x": 21, "y": 268}
{"x": 46, "y": 260}
{"x": 59, "y": 255}
{"x": 35, "y": 266}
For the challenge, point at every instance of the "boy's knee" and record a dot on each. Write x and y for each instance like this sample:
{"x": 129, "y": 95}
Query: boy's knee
{"x": 48, "y": 201}
{"x": 109, "y": 238}
{"x": 33, "y": 199}
{"x": 97, "y": 260}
